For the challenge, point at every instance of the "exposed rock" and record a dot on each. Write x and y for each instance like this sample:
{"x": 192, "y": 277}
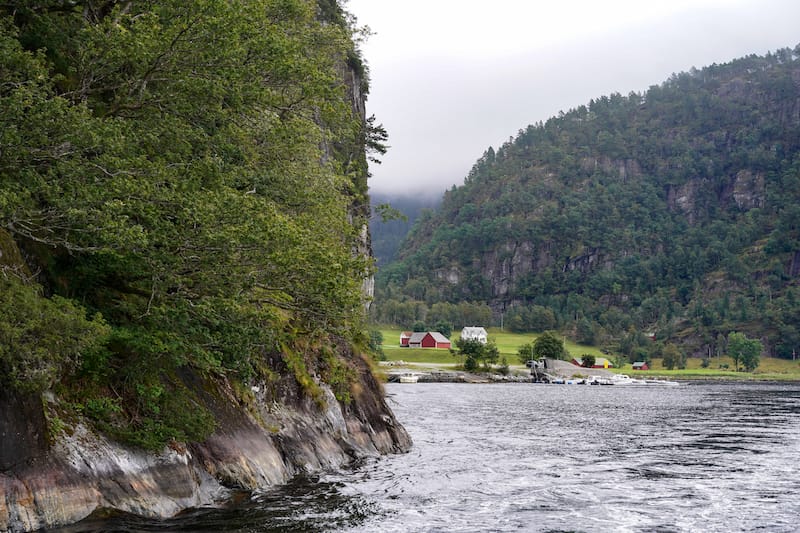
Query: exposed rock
{"x": 749, "y": 189}
{"x": 46, "y": 485}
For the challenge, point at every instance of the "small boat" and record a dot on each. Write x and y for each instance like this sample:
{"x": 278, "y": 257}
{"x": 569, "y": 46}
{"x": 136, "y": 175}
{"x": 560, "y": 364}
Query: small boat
{"x": 599, "y": 380}
{"x": 409, "y": 377}
{"x": 623, "y": 379}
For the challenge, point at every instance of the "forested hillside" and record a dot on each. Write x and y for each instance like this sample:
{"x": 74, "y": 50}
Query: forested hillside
{"x": 673, "y": 212}
{"x": 182, "y": 189}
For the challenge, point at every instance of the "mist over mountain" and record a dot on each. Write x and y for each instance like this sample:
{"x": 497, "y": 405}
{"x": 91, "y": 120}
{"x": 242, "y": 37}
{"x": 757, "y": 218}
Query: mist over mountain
{"x": 388, "y": 235}
{"x": 670, "y": 214}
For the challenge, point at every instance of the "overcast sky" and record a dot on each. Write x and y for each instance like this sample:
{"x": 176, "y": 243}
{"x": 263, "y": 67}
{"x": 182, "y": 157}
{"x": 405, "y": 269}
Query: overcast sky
{"x": 449, "y": 78}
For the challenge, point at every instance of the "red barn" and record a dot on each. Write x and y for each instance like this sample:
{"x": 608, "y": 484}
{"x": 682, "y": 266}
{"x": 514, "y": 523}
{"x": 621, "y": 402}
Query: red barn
{"x": 641, "y": 365}
{"x": 428, "y": 339}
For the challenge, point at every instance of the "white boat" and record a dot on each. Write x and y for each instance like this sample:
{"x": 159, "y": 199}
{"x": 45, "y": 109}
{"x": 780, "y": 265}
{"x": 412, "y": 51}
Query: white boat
{"x": 624, "y": 379}
{"x": 409, "y": 377}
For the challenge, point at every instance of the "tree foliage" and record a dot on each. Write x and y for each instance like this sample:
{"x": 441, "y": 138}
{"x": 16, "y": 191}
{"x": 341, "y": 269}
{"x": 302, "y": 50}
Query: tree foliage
{"x": 525, "y": 353}
{"x": 41, "y": 338}
{"x": 549, "y": 345}
{"x": 191, "y": 171}
{"x": 477, "y": 354}
{"x": 743, "y": 350}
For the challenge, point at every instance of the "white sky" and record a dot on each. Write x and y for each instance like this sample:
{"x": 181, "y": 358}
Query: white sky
{"x": 449, "y": 78}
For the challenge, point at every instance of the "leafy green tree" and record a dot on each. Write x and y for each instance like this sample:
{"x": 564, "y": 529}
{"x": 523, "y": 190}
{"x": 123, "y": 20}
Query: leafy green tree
{"x": 376, "y": 344}
{"x": 550, "y": 345}
{"x": 419, "y": 326}
{"x": 477, "y": 354}
{"x": 588, "y": 360}
{"x": 525, "y": 352}
{"x": 743, "y": 350}
{"x": 672, "y": 357}
{"x": 585, "y": 331}
{"x": 444, "y": 328}
{"x": 193, "y": 171}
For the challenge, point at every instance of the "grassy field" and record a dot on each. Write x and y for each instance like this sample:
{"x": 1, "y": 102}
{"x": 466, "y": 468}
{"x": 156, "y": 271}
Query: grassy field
{"x": 508, "y": 343}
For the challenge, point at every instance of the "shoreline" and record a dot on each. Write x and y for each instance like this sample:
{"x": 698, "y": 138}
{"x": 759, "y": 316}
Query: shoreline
{"x": 425, "y": 374}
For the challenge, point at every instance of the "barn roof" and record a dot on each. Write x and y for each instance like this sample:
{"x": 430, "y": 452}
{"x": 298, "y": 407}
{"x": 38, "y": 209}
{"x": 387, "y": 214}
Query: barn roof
{"x": 419, "y": 335}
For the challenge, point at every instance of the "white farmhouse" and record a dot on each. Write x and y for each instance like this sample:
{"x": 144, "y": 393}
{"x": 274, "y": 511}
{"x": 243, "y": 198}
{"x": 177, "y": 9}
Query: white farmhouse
{"x": 474, "y": 333}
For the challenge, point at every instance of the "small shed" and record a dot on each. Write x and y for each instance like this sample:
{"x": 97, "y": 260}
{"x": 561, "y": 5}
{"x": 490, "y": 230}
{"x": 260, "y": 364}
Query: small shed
{"x": 428, "y": 339}
{"x": 641, "y": 365}
{"x": 474, "y": 333}
{"x": 405, "y": 336}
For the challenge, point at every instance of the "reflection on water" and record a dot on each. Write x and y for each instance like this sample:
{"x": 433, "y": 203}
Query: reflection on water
{"x": 525, "y": 457}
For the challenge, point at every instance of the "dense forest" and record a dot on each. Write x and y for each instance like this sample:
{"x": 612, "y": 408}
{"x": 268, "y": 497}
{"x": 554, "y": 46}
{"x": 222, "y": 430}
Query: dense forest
{"x": 669, "y": 215}
{"x": 183, "y": 192}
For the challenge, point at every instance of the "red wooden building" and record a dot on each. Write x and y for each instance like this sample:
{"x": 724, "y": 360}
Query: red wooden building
{"x": 427, "y": 339}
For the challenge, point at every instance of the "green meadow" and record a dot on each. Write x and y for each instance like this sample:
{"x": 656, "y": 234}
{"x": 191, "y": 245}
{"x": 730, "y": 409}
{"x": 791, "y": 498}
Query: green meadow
{"x": 507, "y": 343}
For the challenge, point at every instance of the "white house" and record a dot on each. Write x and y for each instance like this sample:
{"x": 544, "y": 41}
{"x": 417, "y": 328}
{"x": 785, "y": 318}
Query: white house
{"x": 474, "y": 333}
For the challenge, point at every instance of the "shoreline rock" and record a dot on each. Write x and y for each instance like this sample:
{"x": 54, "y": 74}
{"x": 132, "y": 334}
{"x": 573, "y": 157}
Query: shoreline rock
{"x": 45, "y": 485}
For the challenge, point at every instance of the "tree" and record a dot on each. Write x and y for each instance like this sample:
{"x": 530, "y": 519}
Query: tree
{"x": 671, "y": 357}
{"x": 477, "y": 354}
{"x": 193, "y": 171}
{"x": 585, "y": 331}
{"x": 588, "y": 360}
{"x": 376, "y": 344}
{"x": 549, "y": 345}
{"x": 525, "y": 352}
{"x": 445, "y": 328}
{"x": 744, "y": 350}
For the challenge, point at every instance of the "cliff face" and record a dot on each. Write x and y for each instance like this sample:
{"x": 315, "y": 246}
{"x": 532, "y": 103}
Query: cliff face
{"x": 54, "y": 476}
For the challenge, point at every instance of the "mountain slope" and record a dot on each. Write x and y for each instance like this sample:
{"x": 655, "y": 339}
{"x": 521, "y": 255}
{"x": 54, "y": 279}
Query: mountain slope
{"x": 674, "y": 211}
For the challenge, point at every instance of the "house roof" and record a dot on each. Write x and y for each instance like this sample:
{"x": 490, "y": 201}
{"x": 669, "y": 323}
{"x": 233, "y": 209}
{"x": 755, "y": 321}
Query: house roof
{"x": 419, "y": 335}
{"x": 438, "y": 337}
{"x": 472, "y": 331}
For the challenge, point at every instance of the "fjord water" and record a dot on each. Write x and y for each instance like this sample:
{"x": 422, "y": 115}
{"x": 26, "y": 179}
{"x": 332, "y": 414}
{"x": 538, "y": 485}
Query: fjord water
{"x": 528, "y": 457}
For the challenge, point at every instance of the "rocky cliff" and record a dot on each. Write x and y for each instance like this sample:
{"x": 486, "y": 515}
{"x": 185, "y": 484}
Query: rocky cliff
{"x": 55, "y": 472}
{"x": 183, "y": 226}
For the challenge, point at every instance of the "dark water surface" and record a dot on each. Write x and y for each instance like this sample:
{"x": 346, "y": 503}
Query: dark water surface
{"x": 527, "y": 457}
